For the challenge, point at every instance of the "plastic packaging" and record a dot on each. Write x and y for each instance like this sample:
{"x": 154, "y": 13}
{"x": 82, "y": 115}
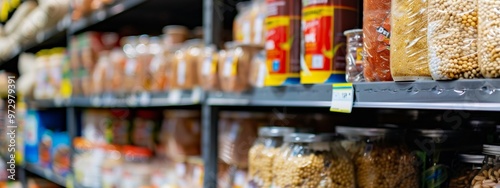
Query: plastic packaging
{"x": 86, "y": 163}
{"x": 99, "y": 74}
{"x": 185, "y": 63}
{"x": 354, "y": 57}
{"x": 174, "y": 35}
{"x": 308, "y": 160}
{"x": 111, "y": 168}
{"x": 465, "y": 168}
{"x": 136, "y": 168}
{"x": 234, "y": 67}
{"x": 242, "y": 30}
{"x": 489, "y": 61}
{"x": 261, "y": 155}
{"x": 324, "y": 43}
{"x": 283, "y": 42}
{"x": 376, "y": 34}
{"x": 183, "y": 133}
{"x": 381, "y": 158}
{"x": 409, "y": 55}
{"x": 452, "y": 39}
{"x": 490, "y": 172}
{"x": 237, "y": 132}
{"x": 207, "y": 68}
{"x": 144, "y": 128}
{"x": 258, "y": 69}
{"x": 143, "y": 58}
{"x": 129, "y": 47}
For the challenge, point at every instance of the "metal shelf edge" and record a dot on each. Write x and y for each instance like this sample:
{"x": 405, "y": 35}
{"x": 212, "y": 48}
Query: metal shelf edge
{"x": 46, "y": 174}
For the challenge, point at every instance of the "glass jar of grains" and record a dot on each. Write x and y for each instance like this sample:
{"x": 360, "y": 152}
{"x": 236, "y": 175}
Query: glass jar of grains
{"x": 262, "y": 153}
{"x": 382, "y": 159}
{"x": 490, "y": 172}
{"x": 309, "y": 160}
{"x": 466, "y": 167}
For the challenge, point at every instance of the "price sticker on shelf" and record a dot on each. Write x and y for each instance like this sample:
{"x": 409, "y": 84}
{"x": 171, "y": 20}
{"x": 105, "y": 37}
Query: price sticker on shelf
{"x": 342, "y": 98}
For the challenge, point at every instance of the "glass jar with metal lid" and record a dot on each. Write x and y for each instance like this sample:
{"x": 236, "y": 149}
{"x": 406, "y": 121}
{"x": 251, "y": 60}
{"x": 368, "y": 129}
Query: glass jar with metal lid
{"x": 489, "y": 175}
{"x": 466, "y": 166}
{"x": 381, "y": 157}
{"x": 435, "y": 150}
{"x": 262, "y": 153}
{"x": 309, "y": 160}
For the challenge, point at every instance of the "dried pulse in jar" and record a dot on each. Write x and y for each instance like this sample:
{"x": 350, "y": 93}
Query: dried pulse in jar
{"x": 409, "y": 55}
{"x": 377, "y": 31}
{"x": 324, "y": 43}
{"x": 489, "y": 40}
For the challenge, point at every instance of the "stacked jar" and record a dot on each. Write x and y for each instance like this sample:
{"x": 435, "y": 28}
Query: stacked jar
{"x": 466, "y": 167}
{"x": 490, "y": 173}
{"x": 309, "y": 160}
{"x": 381, "y": 158}
{"x": 262, "y": 153}
{"x": 452, "y": 35}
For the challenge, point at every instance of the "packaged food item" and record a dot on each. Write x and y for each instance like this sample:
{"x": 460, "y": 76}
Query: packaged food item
{"x": 308, "y": 160}
{"x": 259, "y": 24}
{"x": 465, "y": 168}
{"x": 111, "y": 168}
{"x": 143, "y": 129}
{"x": 283, "y": 42}
{"x": 233, "y": 177}
{"x": 183, "y": 131}
{"x": 376, "y": 34}
{"x": 60, "y": 153}
{"x": 258, "y": 69}
{"x": 86, "y": 163}
{"x": 129, "y": 47}
{"x": 207, "y": 68}
{"x": 354, "y": 56}
{"x": 195, "y": 172}
{"x": 143, "y": 58}
{"x": 452, "y": 36}
{"x": 234, "y": 66}
{"x": 261, "y": 155}
{"x": 120, "y": 126}
{"x": 409, "y": 55}
{"x": 324, "y": 43}
{"x": 184, "y": 65}
{"x": 490, "y": 172}
{"x": 41, "y": 86}
{"x": 156, "y": 70}
{"x": 488, "y": 38}
{"x": 242, "y": 31}
{"x": 32, "y": 134}
{"x": 45, "y": 149}
{"x": 174, "y": 35}
{"x": 381, "y": 157}
{"x": 136, "y": 168}
{"x": 237, "y": 132}
{"x": 99, "y": 73}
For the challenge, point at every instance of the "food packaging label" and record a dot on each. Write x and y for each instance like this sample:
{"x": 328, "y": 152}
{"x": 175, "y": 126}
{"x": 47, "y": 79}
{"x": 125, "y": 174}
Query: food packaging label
{"x": 282, "y": 42}
{"x": 181, "y": 73}
{"x": 324, "y": 46}
{"x": 247, "y": 32}
{"x": 230, "y": 66}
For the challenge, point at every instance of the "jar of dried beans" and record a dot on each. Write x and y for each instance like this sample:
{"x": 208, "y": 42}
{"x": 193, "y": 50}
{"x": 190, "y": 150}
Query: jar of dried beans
{"x": 489, "y": 42}
{"x": 309, "y": 160}
{"x": 490, "y": 172}
{"x": 465, "y": 168}
{"x": 262, "y": 153}
{"x": 452, "y": 39}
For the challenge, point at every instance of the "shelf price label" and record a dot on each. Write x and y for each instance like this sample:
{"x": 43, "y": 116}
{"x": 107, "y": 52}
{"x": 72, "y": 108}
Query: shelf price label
{"x": 342, "y": 98}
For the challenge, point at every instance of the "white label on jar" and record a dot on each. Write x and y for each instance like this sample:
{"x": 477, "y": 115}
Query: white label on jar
{"x": 130, "y": 66}
{"x": 181, "y": 73}
{"x": 246, "y": 32}
{"x": 259, "y": 22}
{"x": 207, "y": 66}
{"x": 317, "y": 61}
{"x": 228, "y": 65}
{"x": 261, "y": 75}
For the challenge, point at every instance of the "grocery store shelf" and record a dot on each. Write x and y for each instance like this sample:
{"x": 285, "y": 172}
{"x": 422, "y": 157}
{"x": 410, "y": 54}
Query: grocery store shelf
{"x": 481, "y": 94}
{"x": 172, "y": 98}
{"x": 103, "y": 14}
{"x": 46, "y": 174}
{"x": 41, "y": 37}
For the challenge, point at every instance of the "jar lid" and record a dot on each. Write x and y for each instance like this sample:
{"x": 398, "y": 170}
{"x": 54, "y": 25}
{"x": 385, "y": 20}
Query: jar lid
{"x": 275, "y": 131}
{"x": 431, "y": 133}
{"x": 471, "y": 158}
{"x": 300, "y": 138}
{"x": 353, "y": 31}
{"x": 360, "y": 131}
{"x": 491, "y": 149}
